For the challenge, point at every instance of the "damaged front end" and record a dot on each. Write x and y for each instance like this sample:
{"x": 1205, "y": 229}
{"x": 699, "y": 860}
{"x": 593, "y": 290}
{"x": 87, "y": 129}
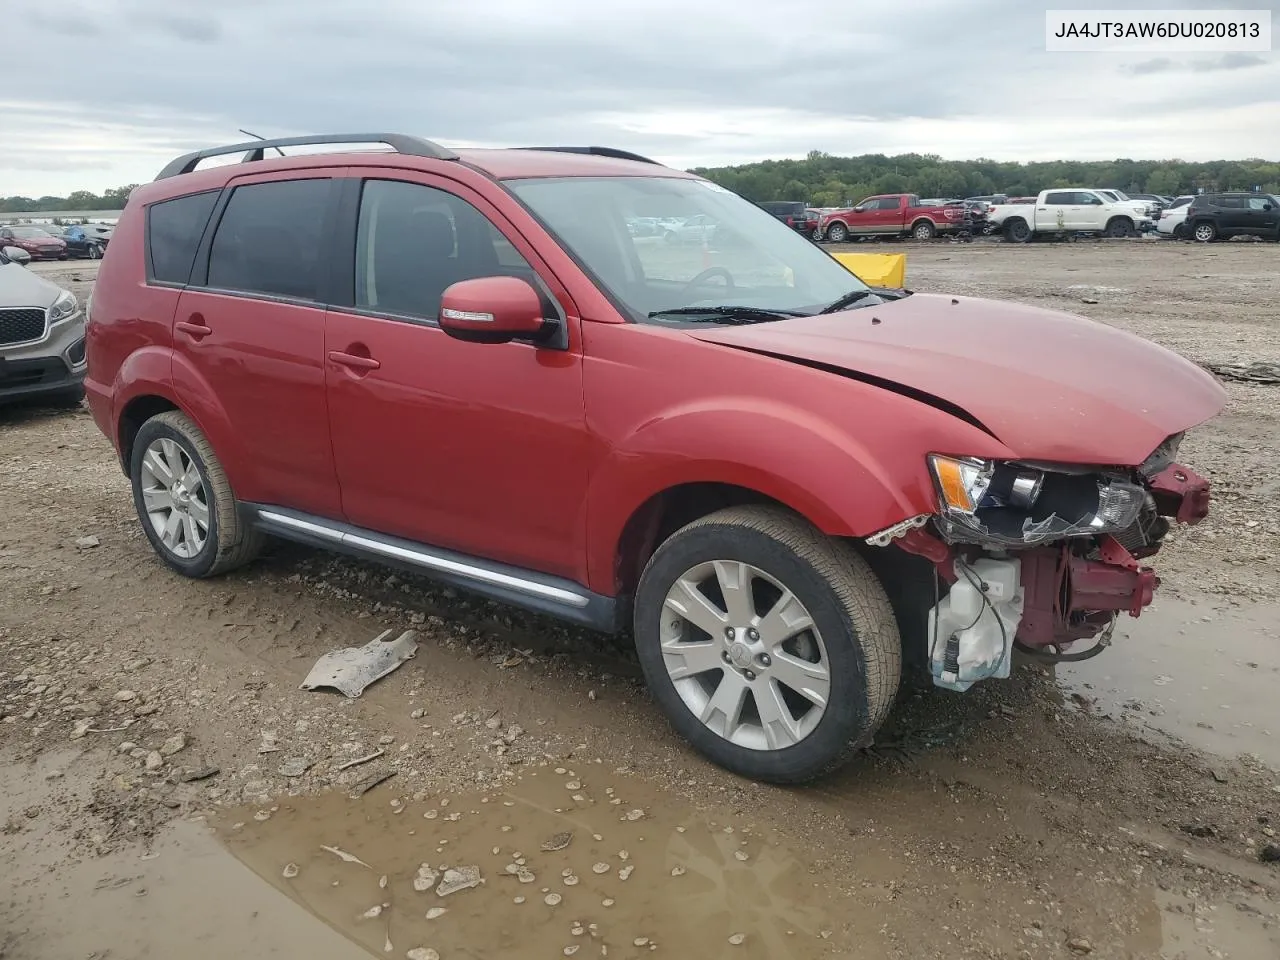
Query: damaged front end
{"x": 1041, "y": 556}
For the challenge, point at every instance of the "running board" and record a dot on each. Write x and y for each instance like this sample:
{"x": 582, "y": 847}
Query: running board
{"x": 538, "y": 592}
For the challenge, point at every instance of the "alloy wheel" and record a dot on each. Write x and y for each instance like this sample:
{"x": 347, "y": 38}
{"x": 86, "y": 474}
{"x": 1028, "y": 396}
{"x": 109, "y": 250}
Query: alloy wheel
{"x": 744, "y": 654}
{"x": 175, "y": 497}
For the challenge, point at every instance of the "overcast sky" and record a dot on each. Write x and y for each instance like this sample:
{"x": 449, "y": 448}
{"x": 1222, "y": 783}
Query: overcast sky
{"x": 100, "y": 93}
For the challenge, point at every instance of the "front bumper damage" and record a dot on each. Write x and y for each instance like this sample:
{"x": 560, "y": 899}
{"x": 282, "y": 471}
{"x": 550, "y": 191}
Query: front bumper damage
{"x": 1046, "y": 598}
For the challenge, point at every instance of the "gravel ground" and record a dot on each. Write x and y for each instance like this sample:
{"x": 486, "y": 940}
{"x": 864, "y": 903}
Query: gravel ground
{"x": 1014, "y": 821}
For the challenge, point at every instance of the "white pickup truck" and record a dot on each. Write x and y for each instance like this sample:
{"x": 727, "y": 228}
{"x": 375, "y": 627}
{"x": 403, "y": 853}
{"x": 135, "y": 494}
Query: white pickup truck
{"x": 1071, "y": 211}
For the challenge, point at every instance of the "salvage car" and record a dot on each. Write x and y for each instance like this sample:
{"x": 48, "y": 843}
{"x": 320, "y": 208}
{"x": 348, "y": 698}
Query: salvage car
{"x": 41, "y": 338}
{"x": 782, "y": 482}
{"x": 891, "y": 215}
{"x": 1069, "y": 211}
{"x": 39, "y": 243}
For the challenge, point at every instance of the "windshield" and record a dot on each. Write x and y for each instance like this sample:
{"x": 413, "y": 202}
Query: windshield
{"x": 664, "y": 243}
{"x": 29, "y": 233}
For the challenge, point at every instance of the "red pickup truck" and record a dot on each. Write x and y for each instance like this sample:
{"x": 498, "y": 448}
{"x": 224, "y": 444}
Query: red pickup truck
{"x": 891, "y": 215}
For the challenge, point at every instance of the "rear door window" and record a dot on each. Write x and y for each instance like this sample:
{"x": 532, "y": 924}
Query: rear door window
{"x": 1063, "y": 198}
{"x": 269, "y": 239}
{"x": 174, "y": 228}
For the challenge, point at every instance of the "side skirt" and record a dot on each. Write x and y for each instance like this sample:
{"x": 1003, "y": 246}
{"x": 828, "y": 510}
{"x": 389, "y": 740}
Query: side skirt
{"x": 533, "y": 591}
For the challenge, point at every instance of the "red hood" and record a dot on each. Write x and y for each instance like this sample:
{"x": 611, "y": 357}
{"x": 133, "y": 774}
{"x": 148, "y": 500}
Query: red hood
{"x": 36, "y": 242}
{"x": 1051, "y": 386}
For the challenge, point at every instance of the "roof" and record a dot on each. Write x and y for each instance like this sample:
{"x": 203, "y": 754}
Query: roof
{"x": 514, "y": 164}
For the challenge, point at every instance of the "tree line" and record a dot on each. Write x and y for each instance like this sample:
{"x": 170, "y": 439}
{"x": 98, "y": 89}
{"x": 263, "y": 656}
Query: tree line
{"x": 113, "y": 199}
{"x": 823, "y": 180}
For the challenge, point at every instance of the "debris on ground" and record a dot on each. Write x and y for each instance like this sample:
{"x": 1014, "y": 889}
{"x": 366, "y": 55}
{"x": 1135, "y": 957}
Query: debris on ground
{"x": 1259, "y": 371}
{"x": 352, "y": 669}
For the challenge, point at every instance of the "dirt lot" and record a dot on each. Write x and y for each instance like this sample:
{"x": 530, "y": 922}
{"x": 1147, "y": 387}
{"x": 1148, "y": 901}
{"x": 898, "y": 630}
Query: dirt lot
{"x": 169, "y": 791}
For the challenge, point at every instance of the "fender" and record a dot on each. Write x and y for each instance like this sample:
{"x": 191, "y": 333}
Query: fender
{"x": 145, "y": 372}
{"x": 198, "y": 400}
{"x": 782, "y": 451}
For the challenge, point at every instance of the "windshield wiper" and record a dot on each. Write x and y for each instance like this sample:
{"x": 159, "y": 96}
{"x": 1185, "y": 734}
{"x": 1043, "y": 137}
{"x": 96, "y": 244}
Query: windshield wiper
{"x": 848, "y": 300}
{"x": 727, "y": 313}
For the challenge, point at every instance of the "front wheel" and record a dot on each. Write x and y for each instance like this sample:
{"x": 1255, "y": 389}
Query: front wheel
{"x": 95, "y": 252}
{"x": 1120, "y": 227}
{"x": 770, "y": 647}
{"x": 837, "y": 233}
{"x": 184, "y": 500}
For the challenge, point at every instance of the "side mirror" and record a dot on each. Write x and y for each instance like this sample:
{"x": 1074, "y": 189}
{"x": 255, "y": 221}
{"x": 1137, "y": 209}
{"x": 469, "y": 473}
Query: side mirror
{"x": 17, "y": 255}
{"x": 859, "y": 209}
{"x": 492, "y": 310}
{"x": 1267, "y": 208}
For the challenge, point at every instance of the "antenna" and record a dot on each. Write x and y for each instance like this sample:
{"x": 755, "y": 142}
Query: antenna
{"x": 250, "y": 133}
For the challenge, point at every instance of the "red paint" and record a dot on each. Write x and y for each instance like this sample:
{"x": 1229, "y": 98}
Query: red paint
{"x": 895, "y": 220}
{"x": 1181, "y": 493}
{"x": 541, "y": 457}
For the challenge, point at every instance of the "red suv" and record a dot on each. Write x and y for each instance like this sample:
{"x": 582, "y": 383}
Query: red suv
{"x": 786, "y": 483}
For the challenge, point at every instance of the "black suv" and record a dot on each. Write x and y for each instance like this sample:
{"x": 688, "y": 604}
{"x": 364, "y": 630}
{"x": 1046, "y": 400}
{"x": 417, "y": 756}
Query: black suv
{"x": 794, "y": 213}
{"x": 1217, "y": 216}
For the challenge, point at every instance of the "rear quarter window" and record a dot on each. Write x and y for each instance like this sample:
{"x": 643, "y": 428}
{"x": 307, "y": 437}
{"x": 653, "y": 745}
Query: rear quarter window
{"x": 174, "y": 228}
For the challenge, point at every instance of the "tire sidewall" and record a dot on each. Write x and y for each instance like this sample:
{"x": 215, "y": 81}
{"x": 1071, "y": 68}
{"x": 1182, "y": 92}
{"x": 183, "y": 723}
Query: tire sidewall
{"x": 199, "y": 565}
{"x": 846, "y": 718}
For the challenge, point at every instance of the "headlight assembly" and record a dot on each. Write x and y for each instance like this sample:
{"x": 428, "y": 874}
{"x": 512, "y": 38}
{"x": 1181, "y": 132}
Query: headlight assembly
{"x": 1010, "y": 504}
{"x": 64, "y": 307}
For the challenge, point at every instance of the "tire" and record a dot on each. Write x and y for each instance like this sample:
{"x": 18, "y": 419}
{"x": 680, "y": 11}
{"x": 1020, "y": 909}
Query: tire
{"x": 95, "y": 253}
{"x": 670, "y": 237}
{"x": 1118, "y": 227}
{"x": 228, "y": 541}
{"x": 837, "y": 232}
{"x": 1017, "y": 230}
{"x": 854, "y": 638}
{"x": 923, "y": 230}
{"x": 1204, "y": 232}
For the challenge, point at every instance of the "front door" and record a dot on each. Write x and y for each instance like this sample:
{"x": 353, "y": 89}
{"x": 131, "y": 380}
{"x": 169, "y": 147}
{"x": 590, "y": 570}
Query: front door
{"x": 249, "y": 343}
{"x": 1264, "y": 219}
{"x": 478, "y": 448}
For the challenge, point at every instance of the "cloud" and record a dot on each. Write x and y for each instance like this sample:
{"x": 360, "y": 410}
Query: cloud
{"x": 691, "y": 83}
{"x": 1228, "y": 61}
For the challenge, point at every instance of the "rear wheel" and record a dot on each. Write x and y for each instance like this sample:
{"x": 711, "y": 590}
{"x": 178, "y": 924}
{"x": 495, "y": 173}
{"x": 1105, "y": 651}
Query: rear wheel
{"x": 837, "y": 233}
{"x": 1017, "y": 230}
{"x": 924, "y": 230}
{"x": 1205, "y": 232}
{"x": 769, "y": 646}
{"x": 184, "y": 500}
{"x": 95, "y": 252}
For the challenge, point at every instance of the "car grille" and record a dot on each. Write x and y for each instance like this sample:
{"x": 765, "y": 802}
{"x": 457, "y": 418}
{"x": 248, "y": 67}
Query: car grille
{"x": 20, "y": 325}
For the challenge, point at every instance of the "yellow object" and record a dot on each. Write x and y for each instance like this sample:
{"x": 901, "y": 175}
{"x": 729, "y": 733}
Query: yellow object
{"x": 876, "y": 269}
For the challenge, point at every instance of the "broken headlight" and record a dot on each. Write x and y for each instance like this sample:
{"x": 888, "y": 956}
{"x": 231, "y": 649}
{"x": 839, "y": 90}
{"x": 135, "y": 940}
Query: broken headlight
{"x": 1010, "y": 504}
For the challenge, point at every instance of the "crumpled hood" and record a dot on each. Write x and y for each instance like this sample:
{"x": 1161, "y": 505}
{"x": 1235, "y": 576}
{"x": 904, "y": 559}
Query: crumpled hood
{"x": 19, "y": 287}
{"x": 1051, "y": 386}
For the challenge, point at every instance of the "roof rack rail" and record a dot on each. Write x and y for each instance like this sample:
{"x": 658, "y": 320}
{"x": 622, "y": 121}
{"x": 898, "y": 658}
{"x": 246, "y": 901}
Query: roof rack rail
{"x": 598, "y": 152}
{"x": 255, "y": 149}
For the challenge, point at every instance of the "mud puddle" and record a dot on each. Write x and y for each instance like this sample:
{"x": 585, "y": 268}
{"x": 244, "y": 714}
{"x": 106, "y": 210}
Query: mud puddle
{"x": 1205, "y": 674}
{"x": 561, "y": 862}
{"x": 184, "y": 896}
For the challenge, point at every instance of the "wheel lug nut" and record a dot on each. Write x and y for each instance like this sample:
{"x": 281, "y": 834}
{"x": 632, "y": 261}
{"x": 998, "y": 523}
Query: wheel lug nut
{"x": 764, "y": 660}
{"x": 753, "y": 634}
{"x": 725, "y": 656}
{"x": 750, "y": 675}
{"x": 728, "y": 632}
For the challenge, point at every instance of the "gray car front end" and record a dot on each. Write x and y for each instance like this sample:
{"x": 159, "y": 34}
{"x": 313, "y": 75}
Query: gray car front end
{"x": 41, "y": 337}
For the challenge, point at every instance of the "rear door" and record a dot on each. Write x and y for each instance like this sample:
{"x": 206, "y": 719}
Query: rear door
{"x": 1060, "y": 211}
{"x": 1262, "y": 216}
{"x": 249, "y": 339}
{"x": 1234, "y": 215}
